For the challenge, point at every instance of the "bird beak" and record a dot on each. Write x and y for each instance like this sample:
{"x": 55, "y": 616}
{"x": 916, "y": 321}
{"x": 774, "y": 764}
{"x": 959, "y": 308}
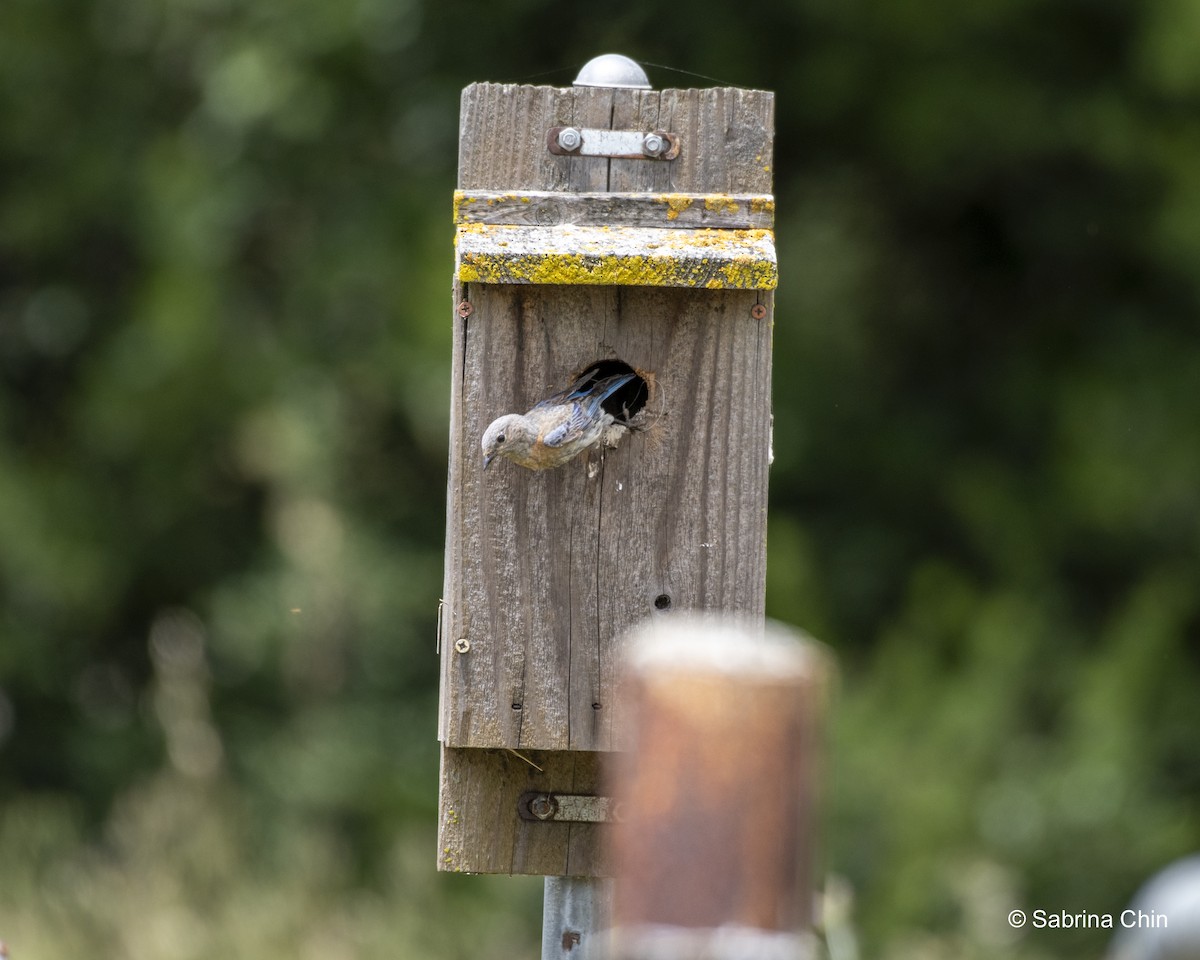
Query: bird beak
{"x": 488, "y": 458}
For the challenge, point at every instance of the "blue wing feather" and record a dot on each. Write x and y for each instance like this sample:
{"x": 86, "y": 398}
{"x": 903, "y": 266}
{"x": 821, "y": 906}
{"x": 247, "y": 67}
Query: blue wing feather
{"x": 597, "y": 390}
{"x": 568, "y": 430}
{"x": 585, "y": 404}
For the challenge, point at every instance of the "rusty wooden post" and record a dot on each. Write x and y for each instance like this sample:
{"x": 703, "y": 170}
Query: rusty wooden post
{"x": 715, "y": 851}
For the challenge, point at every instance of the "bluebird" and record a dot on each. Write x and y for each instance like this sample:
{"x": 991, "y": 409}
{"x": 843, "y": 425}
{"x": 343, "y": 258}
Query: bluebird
{"x": 558, "y": 428}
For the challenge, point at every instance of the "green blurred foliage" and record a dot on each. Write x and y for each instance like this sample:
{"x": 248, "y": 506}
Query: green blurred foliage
{"x": 225, "y": 257}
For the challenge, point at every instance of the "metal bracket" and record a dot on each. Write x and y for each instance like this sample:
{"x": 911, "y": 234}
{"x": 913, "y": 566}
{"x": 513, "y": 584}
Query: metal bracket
{"x": 568, "y": 808}
{"x": 614, "y": 144}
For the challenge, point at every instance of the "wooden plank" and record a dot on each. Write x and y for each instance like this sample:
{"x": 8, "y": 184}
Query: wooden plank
{"x": 494, "y": 140}
{"x": 480, "y": 831}
{"x": 629, "y": 256}
{"x": 553, "y": 566}
{"x": 727, "y": 139}
{"x": 542, "y": 208}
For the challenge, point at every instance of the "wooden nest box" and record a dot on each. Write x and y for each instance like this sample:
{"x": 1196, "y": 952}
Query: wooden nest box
{"x": 616, "y": 229}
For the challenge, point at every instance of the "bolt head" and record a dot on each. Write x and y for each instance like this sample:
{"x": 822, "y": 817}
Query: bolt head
{"x": 542, "y": 807}
{"x": 569, "y": 138}
{"x": 653, "y": 145}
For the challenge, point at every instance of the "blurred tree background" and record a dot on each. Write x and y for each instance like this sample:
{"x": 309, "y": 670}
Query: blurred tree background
{"x": 225, "y": 262}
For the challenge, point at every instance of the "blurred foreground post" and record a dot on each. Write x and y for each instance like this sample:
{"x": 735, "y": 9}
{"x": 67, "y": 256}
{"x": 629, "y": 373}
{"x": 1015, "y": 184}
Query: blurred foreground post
{"x": 714, "y": 854}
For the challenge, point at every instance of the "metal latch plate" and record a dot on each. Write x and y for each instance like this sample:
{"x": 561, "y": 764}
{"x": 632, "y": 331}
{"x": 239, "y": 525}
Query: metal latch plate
{"x": 614, "y": 144}
{"x": 567, "y": 808}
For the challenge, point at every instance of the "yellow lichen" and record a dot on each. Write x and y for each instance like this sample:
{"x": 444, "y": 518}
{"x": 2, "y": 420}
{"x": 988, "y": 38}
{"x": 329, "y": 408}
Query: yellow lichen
{"x": 742, "y": 273}
{"x": 721, "y": 203}
{"x": 461, "y": 200}
{"x": 676, "y": 204}
{"x": 654, "y": 257}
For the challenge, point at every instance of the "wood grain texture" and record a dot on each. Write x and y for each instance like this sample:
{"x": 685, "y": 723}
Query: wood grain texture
{"x": 550, "y": 568}
{"x": 543, "y": 208}
{"x": 480, "y": 831}
{"x": 727, "y": 139}
{"x": 546, "y": 571}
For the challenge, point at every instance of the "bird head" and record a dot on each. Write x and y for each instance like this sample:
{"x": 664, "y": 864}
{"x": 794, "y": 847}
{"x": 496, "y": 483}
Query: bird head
{"x": 503, "y": 436}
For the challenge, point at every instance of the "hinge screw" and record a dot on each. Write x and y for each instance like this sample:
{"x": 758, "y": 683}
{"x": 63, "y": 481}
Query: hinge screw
{"x": 569, "y": 138}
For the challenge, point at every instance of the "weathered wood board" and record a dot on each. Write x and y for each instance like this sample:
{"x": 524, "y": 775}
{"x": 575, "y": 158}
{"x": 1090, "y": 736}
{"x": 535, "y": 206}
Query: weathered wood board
{"x": 549, "y": 568}
{"x": 727, "y": 134}
{"x": 483, "y": 784}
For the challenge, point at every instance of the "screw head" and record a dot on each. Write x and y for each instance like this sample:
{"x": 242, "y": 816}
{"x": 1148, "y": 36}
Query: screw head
{"x": 462, "y": 644}
{"x": 758, "y": 311}
{"x": 542, "y": 806}
{"x": 653, "y": 144}
{"x": 569, "y": 138}
{"x": 465, "y": 309}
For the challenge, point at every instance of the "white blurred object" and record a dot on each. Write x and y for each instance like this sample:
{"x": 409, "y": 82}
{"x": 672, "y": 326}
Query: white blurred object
{"x": 1168, "y": 907}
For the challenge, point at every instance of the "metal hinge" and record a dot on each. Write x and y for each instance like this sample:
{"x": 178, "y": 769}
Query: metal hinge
{"x": 614, "y": 144}
{"x": 568, "y": 808}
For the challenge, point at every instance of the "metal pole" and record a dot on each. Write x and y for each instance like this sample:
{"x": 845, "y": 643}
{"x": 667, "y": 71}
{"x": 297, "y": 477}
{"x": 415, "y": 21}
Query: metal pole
{"x": 576, "y": 918}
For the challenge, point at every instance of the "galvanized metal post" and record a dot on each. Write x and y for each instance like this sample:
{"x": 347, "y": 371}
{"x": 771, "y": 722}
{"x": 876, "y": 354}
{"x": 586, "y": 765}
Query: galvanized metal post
{"x": 576, "y": 918}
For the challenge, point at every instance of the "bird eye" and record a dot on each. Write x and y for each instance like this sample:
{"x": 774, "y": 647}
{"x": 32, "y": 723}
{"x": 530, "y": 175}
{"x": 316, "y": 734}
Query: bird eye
{"x": 499, "y": 438}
